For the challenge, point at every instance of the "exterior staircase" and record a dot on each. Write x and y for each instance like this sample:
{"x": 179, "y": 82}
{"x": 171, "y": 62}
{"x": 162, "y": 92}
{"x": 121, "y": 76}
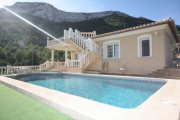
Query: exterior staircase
{"x": 86, "y": 44}
{"x": 171, "y": 73}
{"x": 91, "y": 50}
{"x": 74, "y": 41}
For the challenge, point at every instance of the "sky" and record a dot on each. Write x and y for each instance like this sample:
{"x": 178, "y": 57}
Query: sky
{"x": 153, "y": 9}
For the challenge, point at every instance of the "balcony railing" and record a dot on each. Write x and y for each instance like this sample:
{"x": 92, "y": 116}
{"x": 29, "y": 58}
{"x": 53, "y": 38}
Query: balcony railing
{"x": 18, "y": 69}
{"x": 6, "y": 70}
{"x": 176, "y": 63}
{"x": 48, "y": 65}
{"x": 88, "y": 34}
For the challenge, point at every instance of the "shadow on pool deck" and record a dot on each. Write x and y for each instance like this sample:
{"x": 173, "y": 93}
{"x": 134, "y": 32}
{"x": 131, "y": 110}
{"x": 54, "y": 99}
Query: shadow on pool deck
{"x": 16, "y": 106}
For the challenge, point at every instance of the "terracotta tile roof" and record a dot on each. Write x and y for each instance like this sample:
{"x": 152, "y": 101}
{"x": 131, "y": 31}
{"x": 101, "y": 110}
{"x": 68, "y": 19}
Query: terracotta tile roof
{"x": 168, "y": 21}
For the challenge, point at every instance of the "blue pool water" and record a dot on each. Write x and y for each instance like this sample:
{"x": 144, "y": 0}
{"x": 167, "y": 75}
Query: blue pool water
{"x": 116, "y": 91}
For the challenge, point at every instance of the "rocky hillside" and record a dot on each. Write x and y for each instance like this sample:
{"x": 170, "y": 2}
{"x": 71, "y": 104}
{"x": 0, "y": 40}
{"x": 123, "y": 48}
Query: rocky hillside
{"x": 178, "y": 28}
{"x": 49, "y": 12}
{"x": 54, "y": 21}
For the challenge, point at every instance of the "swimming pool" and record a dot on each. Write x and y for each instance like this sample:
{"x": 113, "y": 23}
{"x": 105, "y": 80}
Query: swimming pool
{"x": 117, "y": 91}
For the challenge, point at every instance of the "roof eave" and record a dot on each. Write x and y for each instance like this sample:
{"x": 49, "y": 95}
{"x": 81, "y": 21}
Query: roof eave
{"x": 170, "y": 23}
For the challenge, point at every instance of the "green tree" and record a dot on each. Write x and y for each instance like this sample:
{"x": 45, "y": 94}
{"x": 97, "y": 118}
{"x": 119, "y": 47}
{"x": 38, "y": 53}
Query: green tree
{"x": 2, "y": 54}
{"x": 19, "y": 56}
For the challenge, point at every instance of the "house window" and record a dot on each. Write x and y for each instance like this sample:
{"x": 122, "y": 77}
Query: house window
{"x": 116, "y": 50}
{"x": 145, "y": 46}
{"x": 111, "y": 49}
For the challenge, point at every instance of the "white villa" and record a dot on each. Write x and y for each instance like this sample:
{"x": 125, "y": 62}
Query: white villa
{"x": 138, "y": 50}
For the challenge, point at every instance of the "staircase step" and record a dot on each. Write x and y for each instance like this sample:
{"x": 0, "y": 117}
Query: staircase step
{"x": 92, "y": 72}
{"x": 173, "y": 73}
{"x": 57, "y": 69}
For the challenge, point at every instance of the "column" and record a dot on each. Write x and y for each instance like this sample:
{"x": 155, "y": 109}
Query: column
{"x": 66, "y": 58}
{"x": 66, "y": 54}
{"x": 52, "y": 55}
{"x": 94, "y": 33}
{"x": 73, "y": 55}
{"x": 81, "y": 60}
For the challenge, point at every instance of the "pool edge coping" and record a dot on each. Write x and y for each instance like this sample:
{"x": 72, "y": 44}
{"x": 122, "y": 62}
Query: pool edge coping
{"x": 108, "y": 106}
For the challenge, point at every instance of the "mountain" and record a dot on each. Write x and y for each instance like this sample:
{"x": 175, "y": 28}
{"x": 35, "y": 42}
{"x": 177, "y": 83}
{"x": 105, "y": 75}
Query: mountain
{"x": 178, "y": 29}
{"x": 49, "y": 12}
{"x": 50, "y": 19}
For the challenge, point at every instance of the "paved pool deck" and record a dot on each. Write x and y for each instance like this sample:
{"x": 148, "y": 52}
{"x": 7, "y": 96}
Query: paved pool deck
{"x": 162, "y": 105}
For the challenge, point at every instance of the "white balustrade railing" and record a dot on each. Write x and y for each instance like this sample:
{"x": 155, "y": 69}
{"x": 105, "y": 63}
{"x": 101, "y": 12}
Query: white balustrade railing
{"x": 47, "y": 65}
{"x": 85, "y": 43}
{"x": 85, "y": 60}
{"x": 93, "y": 46}
{"x": 30, "y": 69}
{"x": 3, "y": 70}
{"x": 59, "y": 64}
{"x": 73, "y": 63}
{"x": 88, "y": 34}
{"x": 18, "y": 69}
{"x": 81, "y": 63}
{"x": 176, "y": 63}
